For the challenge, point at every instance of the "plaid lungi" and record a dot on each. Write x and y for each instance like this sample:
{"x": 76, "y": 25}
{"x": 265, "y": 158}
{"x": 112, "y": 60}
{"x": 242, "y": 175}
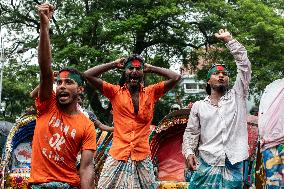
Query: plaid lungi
{"x": 127, "y": 175}
{"x": 217, "y": 177}
{"x": 52, "y": 185}
{"x": 273, "y": 161}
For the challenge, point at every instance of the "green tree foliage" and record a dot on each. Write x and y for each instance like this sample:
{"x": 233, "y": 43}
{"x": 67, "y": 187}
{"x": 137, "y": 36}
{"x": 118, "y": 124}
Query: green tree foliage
{"x": 168, "y": 32}
{"x": 259, "y": 26}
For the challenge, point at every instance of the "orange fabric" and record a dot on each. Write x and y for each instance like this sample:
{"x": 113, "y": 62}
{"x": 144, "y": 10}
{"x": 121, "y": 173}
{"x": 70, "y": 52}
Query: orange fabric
{"x": 58, "y": 137}
{"x": 131, "y": 131}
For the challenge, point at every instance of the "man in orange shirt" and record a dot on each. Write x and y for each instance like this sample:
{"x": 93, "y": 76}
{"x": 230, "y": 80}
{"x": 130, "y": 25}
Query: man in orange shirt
{"x": 61, "y": 129}
{"x": 129, "y": 165}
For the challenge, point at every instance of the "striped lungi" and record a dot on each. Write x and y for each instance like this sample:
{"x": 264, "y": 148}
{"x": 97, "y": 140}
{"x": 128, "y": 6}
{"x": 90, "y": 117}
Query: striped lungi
{"x": 52, "y": 185}
{"x": 127, "y": 175}
{"x": 217, "y": 177}
{"x": 273, "y": 161}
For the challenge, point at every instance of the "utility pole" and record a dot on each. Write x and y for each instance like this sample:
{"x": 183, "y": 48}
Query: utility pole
{"x": 2, "y": 60}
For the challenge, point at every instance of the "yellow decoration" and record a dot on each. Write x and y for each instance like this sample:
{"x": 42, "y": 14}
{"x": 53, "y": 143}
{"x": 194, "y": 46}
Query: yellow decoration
{"x": 274, "y": 161}
{"x": 171, "y": 122}
{"x": 173, "y": 185}
{"x": 17, "y": 181}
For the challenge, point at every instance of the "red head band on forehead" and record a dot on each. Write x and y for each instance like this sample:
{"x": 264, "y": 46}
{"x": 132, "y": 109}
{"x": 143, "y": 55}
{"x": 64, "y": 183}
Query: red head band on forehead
{"x": 64, "y": 74}
{"x": 217, "y": 68}
{"x": 220, "y": 68}
{"x": 136, "y": 63}
{"x": 71, "y": 75}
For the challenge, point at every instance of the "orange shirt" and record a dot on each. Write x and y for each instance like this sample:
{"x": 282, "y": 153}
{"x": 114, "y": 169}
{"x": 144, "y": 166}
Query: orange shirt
{"x": 58, "y": 137}
{"x": 131, "y": 131}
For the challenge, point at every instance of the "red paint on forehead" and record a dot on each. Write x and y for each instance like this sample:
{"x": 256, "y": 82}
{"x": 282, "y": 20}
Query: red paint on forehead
{"x": 220, "y": 68}
{"x": 64, "y": 74}
{"x": 136, "y": 63}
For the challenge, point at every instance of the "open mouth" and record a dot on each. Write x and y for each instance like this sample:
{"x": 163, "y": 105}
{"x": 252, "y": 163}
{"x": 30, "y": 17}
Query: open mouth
{"x": 63, "y": 96}
{"x": 134, "y": 79}
{"x": 221, "y": 80}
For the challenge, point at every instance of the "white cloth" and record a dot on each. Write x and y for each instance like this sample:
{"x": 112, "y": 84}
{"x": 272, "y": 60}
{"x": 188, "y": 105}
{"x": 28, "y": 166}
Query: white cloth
{"x": 221, "y": 130}
{"x": 271, "y": 115}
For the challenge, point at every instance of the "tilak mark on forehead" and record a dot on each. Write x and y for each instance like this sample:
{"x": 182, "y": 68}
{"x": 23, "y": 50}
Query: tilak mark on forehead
{"x": 135, "y": 63}
{"x": 215, "y": 69}
{"x": 71, "y": 75}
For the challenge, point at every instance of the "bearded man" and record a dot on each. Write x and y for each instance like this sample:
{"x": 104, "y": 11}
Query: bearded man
{"x": 129, "y": 164}
{"x": 217, "y": 125}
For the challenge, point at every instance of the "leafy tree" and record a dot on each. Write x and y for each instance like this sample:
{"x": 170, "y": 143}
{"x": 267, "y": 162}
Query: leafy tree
{"x": 260, "y": 28}
{"x": 87, "y": 33}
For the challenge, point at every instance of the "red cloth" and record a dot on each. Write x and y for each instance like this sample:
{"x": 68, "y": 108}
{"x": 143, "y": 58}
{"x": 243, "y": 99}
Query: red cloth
{"x": 171, "y": 163}
{"x": 252, "y": 133}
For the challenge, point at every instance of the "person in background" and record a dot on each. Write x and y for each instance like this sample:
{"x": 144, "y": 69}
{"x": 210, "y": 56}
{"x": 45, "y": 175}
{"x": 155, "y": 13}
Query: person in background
{"x": 92, "y": 116}
{"x": 271, "y": 133}
{"x": 174, "y": 107}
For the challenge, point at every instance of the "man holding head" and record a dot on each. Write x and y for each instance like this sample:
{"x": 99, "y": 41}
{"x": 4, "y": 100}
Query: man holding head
{"x": 217, "y": 125}
{"x": 129, "y": 164}
{"x": 61, "y": 129}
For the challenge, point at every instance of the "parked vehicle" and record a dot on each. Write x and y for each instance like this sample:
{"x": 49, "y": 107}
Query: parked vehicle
{"x": 16, "y": 159}
{"x": 165, "y": 143}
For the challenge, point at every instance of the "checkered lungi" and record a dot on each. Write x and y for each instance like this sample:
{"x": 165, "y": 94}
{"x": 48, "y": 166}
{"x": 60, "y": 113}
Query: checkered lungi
{"x": 127, "y": 175}
{"x": 217, "y": 177}
{"x": 52, "y": 185}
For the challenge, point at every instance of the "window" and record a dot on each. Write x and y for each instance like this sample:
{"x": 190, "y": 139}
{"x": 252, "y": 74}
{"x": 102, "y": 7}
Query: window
{"x": 190, "y": 86}
{"x": 202, "y": 86}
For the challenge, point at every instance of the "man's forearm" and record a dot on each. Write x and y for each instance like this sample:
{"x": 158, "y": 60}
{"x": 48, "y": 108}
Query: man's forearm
{"x": 44, "y": 60}
{"x": 190, "y": 143}
{"x": 239, "y": 52}
{"x": 87, "y": 177}
{"x": 98, "y": 70}
{"x": 164, "y": 72}
{"x": 44, "y": 52}
{"x": 243, "y": 65}
{"x": 191, "y": 133}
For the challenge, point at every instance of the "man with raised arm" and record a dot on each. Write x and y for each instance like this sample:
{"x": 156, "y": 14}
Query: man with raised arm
{"x": 129, "y": 164}
{"x": 61, "y": 129}
{"x": 217, "y": 125}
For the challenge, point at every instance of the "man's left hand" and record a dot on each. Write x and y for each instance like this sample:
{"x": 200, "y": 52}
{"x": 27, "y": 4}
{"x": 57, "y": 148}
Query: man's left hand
{"x": 224, "y": 35}
{"x": 147, "y": 68}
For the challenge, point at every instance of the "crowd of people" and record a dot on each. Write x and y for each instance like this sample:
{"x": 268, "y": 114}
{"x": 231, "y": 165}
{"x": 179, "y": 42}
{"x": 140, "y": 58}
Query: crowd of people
{"x": 215, "y": 141}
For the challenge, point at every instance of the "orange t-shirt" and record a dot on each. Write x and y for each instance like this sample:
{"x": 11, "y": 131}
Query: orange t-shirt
{"x": 58, "y": 137}
{"x": 131, "y": 131}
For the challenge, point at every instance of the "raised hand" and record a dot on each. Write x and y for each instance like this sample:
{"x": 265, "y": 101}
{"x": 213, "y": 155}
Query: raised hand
{"x": 147, "y": 68}
{"x": 224, "y": 35}
{"x": 119, "y": 63}
{"x": 45, "y": 11}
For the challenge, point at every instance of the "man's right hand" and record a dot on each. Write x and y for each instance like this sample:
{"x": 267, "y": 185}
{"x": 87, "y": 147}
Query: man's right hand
{"x": 45, "y": 11}
{"x": 119, "y": 63}
{"x": 191, "y": 162}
